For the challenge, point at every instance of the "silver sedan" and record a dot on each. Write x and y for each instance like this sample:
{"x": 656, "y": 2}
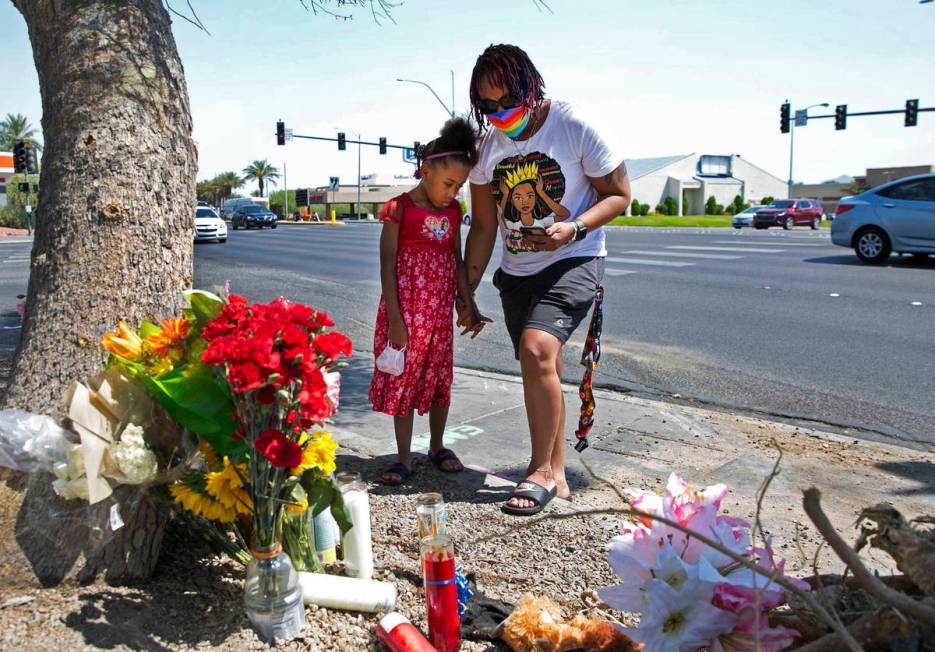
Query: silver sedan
{"x": 896, "y": 217}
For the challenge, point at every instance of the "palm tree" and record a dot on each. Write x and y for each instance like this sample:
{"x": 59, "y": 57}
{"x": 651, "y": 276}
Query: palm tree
{"x": 17, "y": 127}
{"x": 226, "y": 183}
{"x": 261, "y": 171}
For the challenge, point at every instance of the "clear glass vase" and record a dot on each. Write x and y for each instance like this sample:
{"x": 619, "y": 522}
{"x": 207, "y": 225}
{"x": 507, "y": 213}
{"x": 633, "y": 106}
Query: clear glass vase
{"x": 272, "y": 595}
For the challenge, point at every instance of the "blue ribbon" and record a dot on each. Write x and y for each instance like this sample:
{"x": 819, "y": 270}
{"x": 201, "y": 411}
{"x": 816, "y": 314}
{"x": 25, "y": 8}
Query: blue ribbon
{"x": 464, "y": 591}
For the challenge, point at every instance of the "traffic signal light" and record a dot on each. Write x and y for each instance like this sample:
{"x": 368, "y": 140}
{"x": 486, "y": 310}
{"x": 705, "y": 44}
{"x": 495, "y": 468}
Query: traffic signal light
{"x": 840, "y": 117}
{"x": 19, "y": 156}
{"x": 342, "y": 141}
{"x": 32, "y": 161}
{"x": 382, "y": 145}
{"x": 784, "y": 118}
{"x": 280, "y": 133}
{"x": 912, "y": 113}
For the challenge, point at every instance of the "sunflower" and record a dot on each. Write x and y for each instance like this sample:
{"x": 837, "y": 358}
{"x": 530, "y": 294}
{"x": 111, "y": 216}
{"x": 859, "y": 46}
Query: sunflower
{"x": 318, "y": 452}
{"x": 226, "y": 486}
{"x": 190, "y": 494}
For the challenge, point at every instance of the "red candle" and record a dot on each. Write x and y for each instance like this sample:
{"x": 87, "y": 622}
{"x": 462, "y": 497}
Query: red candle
{"x": 399, "y": 635}
{"x": 441, "y": 593}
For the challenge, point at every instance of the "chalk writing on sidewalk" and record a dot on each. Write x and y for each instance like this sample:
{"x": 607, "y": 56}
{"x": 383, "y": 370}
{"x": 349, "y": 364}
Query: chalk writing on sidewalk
{"x": 420, "y": 443}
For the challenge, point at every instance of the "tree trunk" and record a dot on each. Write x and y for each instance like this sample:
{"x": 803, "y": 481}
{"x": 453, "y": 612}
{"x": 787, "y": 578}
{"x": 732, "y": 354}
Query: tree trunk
{"x": 115, "y": 222}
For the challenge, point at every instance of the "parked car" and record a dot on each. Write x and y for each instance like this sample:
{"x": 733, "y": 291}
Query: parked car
{"x": 253, "y": 215}
{"x": 745, "y": 217}
{"x": 788, "y": 213}
{"x": 209, "y": 226}
{"x": 896, "y": 216}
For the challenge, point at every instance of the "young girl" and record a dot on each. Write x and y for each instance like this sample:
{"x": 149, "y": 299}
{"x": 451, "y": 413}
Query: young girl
{"x": 421, "y": 270}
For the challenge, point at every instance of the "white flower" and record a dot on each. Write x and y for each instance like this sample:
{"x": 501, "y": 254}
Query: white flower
{"x": 136, "y": 463}
{"x": 680, "y": 620}
{"x": 133, "y": 435}
{"x": 75, "y": 456}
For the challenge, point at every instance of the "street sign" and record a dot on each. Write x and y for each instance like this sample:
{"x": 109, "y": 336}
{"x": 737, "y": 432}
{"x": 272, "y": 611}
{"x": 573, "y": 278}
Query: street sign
{"x": 334, "y": 183}
{"x": 409, "y": 155}
{"x": 288, "y": 134}
{"x": 801, "y": 117}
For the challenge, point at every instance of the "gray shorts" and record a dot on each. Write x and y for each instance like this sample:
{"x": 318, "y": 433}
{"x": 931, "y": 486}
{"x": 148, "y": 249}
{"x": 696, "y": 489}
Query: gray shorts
{"x": 554, "y": 300}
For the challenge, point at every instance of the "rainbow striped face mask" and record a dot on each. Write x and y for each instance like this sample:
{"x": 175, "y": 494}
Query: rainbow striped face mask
{"x": 510, "y": 121}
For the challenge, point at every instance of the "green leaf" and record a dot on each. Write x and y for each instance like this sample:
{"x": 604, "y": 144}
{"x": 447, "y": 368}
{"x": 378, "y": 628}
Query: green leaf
{"x": 205, "y": 306}
{"x": 323, "y": 492}
{"x": 148, "y": 328}
{"x": 197, "y": 399}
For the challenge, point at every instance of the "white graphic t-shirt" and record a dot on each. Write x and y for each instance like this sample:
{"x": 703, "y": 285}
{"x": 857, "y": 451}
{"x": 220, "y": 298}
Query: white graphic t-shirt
{"x": 543, "y": 180}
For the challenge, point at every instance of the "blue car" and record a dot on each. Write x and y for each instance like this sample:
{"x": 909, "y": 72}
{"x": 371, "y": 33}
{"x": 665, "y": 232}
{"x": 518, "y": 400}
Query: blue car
{"x": 898, "y": 216}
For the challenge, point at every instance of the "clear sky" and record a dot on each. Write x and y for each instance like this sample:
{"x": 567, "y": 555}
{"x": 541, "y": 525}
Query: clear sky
{"x": 658, "y": 77}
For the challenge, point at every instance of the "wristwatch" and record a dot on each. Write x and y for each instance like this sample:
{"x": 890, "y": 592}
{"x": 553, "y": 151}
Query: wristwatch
{"x": 581, "y": 231}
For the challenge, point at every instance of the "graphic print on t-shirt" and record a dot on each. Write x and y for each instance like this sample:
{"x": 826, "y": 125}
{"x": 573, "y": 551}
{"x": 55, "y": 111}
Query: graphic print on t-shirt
{"x": 528, "y": 191}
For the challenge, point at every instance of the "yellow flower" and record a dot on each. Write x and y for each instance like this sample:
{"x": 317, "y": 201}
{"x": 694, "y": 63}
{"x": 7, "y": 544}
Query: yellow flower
{"x": 200, "y": 504}
{"x": 299, "y": 507}
{"x": 227, "y": 488}
{"x": 169, "y": 342}
{"x": 318, "y": 452}
{"x": 209, "y": 455}
{"x": 124, "y": 342}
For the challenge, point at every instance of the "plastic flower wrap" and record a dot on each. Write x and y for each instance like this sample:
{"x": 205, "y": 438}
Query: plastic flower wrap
{"x": 689, "y": 595}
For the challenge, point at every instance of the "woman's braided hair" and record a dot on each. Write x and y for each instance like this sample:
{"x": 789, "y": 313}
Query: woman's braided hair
{"x": 510, "y": 67}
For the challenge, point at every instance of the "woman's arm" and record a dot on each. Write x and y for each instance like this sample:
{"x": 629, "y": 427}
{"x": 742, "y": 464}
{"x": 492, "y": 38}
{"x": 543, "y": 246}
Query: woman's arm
{"x": 469, "y": 316}
{"x": 389, "y": 245}
{"x": 482, "y": 234}
{"x": 613, "y": 197}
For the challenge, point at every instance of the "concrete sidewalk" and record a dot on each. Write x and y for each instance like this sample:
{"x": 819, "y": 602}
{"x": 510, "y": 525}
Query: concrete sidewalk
{"x": 637, "y": 442}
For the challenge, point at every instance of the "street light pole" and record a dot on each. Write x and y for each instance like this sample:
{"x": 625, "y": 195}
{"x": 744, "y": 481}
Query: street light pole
{"x": 792, "y": 139}
{"x": 450, "y": 112}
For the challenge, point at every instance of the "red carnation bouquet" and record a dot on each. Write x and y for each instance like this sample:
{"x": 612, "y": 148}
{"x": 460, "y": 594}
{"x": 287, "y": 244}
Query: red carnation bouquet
{"x": 278, "y": 359}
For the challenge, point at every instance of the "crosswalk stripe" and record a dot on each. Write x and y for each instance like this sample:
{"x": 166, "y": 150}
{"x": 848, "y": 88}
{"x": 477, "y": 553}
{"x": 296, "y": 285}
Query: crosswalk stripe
{"x": 643, "y": 261}
{"x": 752, "y": 250}
{"x": 682, "y": 255}
{"x": 784, "y": 244}
{"x": 618, "y": 272}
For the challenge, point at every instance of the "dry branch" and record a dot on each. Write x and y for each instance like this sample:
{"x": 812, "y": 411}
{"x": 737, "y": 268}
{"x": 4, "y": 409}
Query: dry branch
{"x": 867, "y": 581}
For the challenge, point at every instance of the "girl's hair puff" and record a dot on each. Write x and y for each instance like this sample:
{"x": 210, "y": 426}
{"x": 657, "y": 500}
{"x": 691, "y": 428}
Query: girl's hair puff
{"x": 457, "y": 140}
{"x": 510, "y": 67}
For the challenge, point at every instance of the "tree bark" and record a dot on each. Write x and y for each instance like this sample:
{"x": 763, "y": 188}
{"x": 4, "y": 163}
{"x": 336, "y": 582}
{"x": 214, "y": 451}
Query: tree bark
{"x": 114, "y": 227}
{"x": 115, "y": 222}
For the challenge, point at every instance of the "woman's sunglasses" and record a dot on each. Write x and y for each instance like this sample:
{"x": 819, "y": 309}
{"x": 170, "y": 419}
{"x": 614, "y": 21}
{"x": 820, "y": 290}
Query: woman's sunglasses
{"x": 508, "y": 101}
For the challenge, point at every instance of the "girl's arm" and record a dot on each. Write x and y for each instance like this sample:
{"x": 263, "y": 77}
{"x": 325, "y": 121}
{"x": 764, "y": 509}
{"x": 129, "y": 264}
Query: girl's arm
{"x": 468, "y": 315}
{"x": 389, "y": 244}
{"x": 560, "y": 211}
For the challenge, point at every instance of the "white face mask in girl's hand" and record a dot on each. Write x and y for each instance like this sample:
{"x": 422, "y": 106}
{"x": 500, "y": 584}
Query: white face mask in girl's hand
{"x": 392, "y": 361}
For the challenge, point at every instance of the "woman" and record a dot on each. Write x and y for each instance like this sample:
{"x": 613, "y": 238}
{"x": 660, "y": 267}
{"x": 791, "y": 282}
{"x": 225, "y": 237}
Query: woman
{"x": 548, "y": 183}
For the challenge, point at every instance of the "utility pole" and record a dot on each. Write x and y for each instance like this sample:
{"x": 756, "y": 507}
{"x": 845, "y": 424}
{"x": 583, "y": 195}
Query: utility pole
{"x": 285, "y": 197}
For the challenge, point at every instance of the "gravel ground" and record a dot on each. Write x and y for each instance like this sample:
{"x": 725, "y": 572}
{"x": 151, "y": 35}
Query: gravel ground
{"x": 194, "y": 602}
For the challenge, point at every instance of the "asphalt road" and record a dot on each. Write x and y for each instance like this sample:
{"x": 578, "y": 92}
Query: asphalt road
{"x": 781, "y": 323}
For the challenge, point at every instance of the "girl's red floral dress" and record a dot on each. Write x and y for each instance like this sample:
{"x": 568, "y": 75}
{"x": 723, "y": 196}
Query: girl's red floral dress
{"x": 427, "y": 281}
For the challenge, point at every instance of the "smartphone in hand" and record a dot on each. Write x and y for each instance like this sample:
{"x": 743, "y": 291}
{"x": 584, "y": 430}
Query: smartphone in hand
{"x": 532, "y": 230}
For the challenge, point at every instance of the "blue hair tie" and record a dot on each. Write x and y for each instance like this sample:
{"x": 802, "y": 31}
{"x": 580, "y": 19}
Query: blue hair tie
{"x": 464, "y": 591}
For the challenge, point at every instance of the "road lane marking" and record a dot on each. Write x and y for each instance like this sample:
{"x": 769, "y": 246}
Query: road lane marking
{"x": 642, "y": 261}
{"x": 784, "y": 244}
{"x": 752, "y": 250}
{"x": 682, "y": 255}
{"x": 619, "y": 272}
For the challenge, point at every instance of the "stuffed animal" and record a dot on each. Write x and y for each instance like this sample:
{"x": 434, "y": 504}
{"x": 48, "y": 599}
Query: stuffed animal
{"x": 537, "y": 625}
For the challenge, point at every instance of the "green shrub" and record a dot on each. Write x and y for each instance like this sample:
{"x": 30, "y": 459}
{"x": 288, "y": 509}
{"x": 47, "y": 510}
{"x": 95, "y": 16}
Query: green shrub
{"x": 634, "y": 207}
{"x": 710, "y": 206}
{"x": 671, "y": 206}
{"x": 737, "y": 205}
{"x": 661, "y": 209}
{"x": 13, "y": 217}
{"x": 644, "y": 209}
{"x": 767, "y": 200}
